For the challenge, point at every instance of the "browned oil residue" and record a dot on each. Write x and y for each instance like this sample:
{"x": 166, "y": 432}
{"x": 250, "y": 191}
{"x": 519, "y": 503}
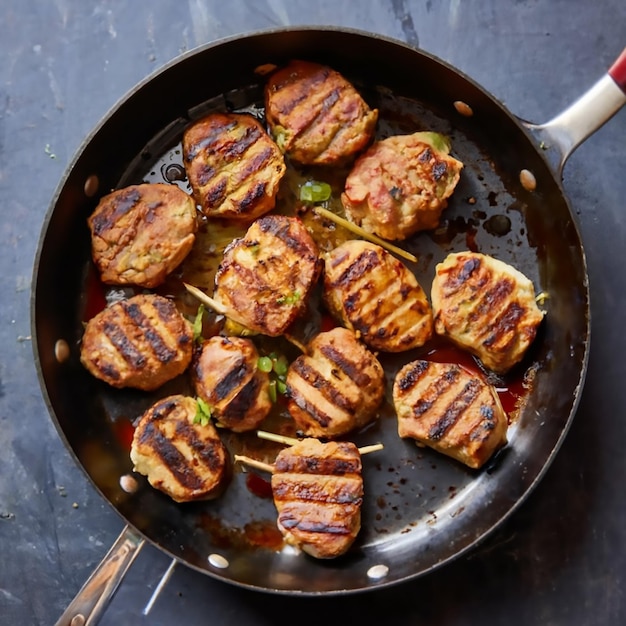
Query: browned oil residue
{"x": 258, "y": 486}
{"x": 257, "y": 534}
{"x": 95, "y": 300}
{"x": 264, "y": 534}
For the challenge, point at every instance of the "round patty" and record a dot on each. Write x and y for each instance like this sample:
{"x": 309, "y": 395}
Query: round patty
{"x": 227, "y": 377}
{"x": 180, "y": 456}
{"x": 315, "y": 115}
{"x": 400, "y": 186}
{"x": 141, "y": 342}
{"x": 233, "y": 166}
{"x": 141, "y": 233}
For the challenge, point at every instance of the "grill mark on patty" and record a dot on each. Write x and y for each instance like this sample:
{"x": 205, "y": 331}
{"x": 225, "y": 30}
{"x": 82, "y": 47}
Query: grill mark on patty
{"x": 252, "y": 197}
{"x": 237, "y": 409}
{"x": 231, "y": 380}
{"x": 411, "y": 377}
{"x": 505, "y": 325}
{"x": 435, "y": 390}
{"x": 455, "y": 410}
{"x": 323, "y": 419}
{"x": 352, "y": 370}
{"x": 292, "y": 487}
{"x": 289, "y": 521}
{"x": 154, "y": 339}
{"x": 234, "y": 147}
{"x": 250, "y": 166}
{"x": 367, "y": 261}
{"x": 308, "y": 84}
{"x": 326, "y": 466}
{"x": 171, "y": 456}
{"x": 124, "y": 346}
{"x": 124, "y": 203}
{"x": 282, "y": 230}
{"x": 205, "y": 142}
{"x": 315, "y": 379}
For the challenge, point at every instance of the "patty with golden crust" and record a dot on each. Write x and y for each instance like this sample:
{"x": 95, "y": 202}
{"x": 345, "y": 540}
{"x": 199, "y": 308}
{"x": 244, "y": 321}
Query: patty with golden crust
{"x": 316, "y": 116}
{"x": 141, "y": 233}
{"x": 180, "y": 455}
{"x": 234, "y": 167}
{"x": 401, "y": 185}
{"x": 141, "y": 342}
{"x": 485, "y": 306}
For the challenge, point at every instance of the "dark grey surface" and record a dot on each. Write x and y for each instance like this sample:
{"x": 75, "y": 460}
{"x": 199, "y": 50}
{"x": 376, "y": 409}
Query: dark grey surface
{"x": 559, "y": 560}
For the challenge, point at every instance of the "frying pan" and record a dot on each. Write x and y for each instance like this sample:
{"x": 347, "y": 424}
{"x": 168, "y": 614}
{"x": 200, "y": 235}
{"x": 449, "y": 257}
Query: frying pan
{"x": 420, "y": 510}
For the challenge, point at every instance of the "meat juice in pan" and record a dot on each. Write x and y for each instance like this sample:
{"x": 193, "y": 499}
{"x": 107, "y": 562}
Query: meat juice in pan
{"x": 407, "y": 489}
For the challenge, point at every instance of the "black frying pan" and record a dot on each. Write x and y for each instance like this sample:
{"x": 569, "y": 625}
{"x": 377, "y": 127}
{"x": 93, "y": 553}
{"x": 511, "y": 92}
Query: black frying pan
{"x": 421, "y": 510}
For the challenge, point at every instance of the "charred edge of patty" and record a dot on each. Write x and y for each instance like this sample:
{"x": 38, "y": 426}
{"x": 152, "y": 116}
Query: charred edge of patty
{"x": 124, "y": 202}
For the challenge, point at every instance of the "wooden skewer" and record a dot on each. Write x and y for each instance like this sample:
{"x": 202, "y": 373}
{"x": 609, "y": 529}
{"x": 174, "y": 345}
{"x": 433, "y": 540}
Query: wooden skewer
{"x": 264, "y": 467}
{"x": 357, "y": 230}
{"x": 219, "y": 308}
{"x": 290, "y": 441}
{"x": 210, "y": 302}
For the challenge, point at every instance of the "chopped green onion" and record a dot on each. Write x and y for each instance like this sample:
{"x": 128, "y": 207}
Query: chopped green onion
{"x": 272, "y": 390}
{"x": 265, "y": 364}
{"x": 289, "y": 299}
{"x": 197, "y": 324}
{"x": 314, "y": 191}
{"x": 437, "y": 141}
{"x": 203, "y": 412}
{"x": 281, "y": 365}
{"x": 281, "y": 387}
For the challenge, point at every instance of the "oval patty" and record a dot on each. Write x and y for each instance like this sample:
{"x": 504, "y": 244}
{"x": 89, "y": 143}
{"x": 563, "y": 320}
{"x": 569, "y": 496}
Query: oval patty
{"x": 233, "y": 166}
{"x": 374, "y": 294}
{"x": 446, "y": 408}
{"x": 316, "y": 116}
{"x": 227, "y": 377}
{"x": 141, "y": 342}
{"x": 180, "y": 457}
{"x": 266, "y": 276}
{"x": 336, "y": 386}
{"x": 141, "y": 233}
{"x": 486, "y": 307}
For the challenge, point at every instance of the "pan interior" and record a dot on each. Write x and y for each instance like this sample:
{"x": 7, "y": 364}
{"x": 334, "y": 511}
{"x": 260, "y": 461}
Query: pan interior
{"x": 420, "y": 509}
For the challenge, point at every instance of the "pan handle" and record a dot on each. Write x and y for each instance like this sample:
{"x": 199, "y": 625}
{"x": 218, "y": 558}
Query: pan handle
{"x": 91, "y": 601}
{"x": 565, "y": 132}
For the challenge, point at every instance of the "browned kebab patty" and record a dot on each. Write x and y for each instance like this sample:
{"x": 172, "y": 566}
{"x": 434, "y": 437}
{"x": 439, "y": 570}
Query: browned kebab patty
{"x": 318, "y": 491}
{"x": 179, "y": 456}
{"x": 449, "y": 409}
{"x": 401, "y": 185}
{"x": 227, "y": 377}
{"x": 368, "y": 290}
{"x": 315, "y": 115}
{"x": 233, "y": 166}
{"x": 336, "y": 387}
{"x": 485, "y": 306}
{"x": 265, "y": 277}
{"x": 141, "y": 342}
{"x": 141, "y": 233}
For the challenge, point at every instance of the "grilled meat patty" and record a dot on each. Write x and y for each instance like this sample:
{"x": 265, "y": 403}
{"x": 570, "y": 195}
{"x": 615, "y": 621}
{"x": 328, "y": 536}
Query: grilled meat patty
{"x": 336, "y": 386}
{"x": 233, "y": 166}
{"x": 182, "y": 458}
{"x": 401, "y": 185}
{"x": 446, "y": 408}
{"x": 318, "y": 491}
{"x": 265, "y": 277}
{"x": 227, "y": 377}
{"x": 141, "y": 233}
{"x": 374, "y": 294}
{"x": 141, "y": 342}
{"x": 315, "y": 115}
{"x": 486, "y": 307}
